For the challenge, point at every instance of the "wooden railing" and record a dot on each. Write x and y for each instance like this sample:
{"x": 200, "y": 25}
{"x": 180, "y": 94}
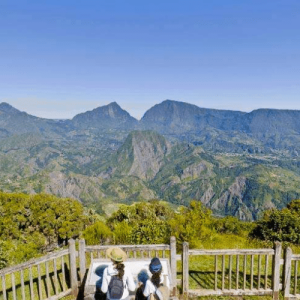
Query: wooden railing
{"x": 291, "y": 271}
{"x": 234, "y": 272}
{"x": 88, "y": 253}
{"x": 62, "y": 273}
{"x": 41, "y": 278}
{"x": 218, "y": 272}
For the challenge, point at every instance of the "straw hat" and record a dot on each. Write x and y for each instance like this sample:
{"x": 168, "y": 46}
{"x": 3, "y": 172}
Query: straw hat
{"x": 116, "y": 254}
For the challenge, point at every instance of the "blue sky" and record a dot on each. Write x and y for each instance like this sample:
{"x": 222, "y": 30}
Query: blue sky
{"x": 60, "y": 58}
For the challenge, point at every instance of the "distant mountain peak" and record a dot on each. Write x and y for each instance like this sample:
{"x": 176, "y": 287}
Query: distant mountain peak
{"x": 114, "y": 103}
{"x": 107, "y": 116}
{"x": 111, "y": 104}
{"x": 113, "y": 109}
{"x": 7, "y": 108}
{"x": 174, "y": 102}
{"x": 146, "y": 151}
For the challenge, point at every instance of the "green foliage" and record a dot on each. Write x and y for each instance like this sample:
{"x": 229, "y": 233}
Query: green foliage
{"x": 231, "y": 225}
{"x": 294, "y": 207}
{"x": 122, "y": 233}
{"x": 279, "y": 225}
{"x": 31, "y": 224}
{"x": 3, "y": 254}
{"x": 142, "y": 223}
{"x": 150, "y": 231}
{"x": 96, "y": 234}
{"x": 190, "y": 224}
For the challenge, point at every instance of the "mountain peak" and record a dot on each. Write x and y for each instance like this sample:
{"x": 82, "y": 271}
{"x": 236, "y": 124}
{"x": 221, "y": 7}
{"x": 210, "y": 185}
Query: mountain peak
{"x": 110, "y": 115}
{"x": 146, "y": 151}
{"x": 7, "y": 108}
{"x": 114, "y": 103}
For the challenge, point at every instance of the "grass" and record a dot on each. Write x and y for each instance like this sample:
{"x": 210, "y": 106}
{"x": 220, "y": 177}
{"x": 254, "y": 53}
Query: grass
{"x": 202, "y": 268}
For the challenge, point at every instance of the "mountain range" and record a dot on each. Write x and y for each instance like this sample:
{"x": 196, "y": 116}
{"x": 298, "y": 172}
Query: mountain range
{"x": 234, "y": 162}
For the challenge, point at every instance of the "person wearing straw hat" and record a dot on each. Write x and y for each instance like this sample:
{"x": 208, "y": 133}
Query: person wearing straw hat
{"x": 117, "y": 278}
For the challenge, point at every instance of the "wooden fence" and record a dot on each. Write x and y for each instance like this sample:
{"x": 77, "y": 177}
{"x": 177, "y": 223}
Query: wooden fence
{"x": 235, "y": 272}
{"x": 218, "y": 272}
{"x": 135, "y": 251}
{"x": 55, "y": 276}
{"x": 41, "y": 278}
{"x": 290, "y": 279}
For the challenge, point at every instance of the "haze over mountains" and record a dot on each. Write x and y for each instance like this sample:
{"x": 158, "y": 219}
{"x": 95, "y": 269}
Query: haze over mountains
{"x": 234, "y": 162}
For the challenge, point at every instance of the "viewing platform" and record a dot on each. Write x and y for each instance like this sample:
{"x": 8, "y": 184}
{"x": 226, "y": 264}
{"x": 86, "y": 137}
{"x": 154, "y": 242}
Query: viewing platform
{"x": 78, "y": 270}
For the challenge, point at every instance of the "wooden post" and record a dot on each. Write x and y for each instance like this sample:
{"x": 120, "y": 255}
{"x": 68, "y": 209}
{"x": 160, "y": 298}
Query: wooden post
{"x": 39, "y": 281}
{"x": 223, "y": 272}
{"x": 48, "y": 279}
{"x": 287, "y": 273}
{"x": 4, "y": 287}
{"x": 73, "y": 267}
{"x": 173, "y": 264}
{"x": 82, "y": 263}
{"x": 13, "y": 285}
{"x": 276, "y": 270}
{"x": 216, "y": 272}
{"x": 185, "y": 269}
{"x": 22, "y": 284}
{"x": 259, "y": 272}
{"x": 266, "y": 270}
{"x": 230, "y": 272}
{"x": 31, "y": 283}
{"x": 55, "y": 277}
{"x": 295, "y": 277}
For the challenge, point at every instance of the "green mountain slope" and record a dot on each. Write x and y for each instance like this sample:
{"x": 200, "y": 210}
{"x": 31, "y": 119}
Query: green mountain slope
{"x": 235, "y": 163}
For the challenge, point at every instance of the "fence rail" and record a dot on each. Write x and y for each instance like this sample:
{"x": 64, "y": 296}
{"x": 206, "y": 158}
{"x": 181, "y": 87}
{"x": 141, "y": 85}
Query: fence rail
{"x": 291, "y": 271}
{"x": 220, "y": 272}
{"x": 41, "y": 278}
{"x": 235, "y": 272}
{"x": 141, "y": 251}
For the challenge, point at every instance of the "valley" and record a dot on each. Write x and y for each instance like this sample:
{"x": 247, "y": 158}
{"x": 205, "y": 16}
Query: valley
{"x": 235, "y": 163}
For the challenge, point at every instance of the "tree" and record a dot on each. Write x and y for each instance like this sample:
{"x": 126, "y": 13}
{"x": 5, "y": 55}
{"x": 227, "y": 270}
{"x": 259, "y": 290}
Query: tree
{"x": 279, "y": 225}
{"x": 97, "y": 233}
{"x": 142, "y": 223}
{"x": 190, "y": 224}
{"x": 122, "y": 233}
{"x": 3, "y": 254}
{"x": 31, "y": 224}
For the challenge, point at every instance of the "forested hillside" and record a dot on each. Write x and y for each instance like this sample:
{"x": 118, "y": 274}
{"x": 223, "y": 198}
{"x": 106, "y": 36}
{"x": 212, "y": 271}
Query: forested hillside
{"x": 33, "y": 225}
{"x": 235, "y": 163}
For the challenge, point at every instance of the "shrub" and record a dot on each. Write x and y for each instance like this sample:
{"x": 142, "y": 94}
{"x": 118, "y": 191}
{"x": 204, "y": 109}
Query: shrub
{"x": 142, "y": 223}
{"x": 190, "y": 224}
{"x": 279, "y": 225}
{"x": 98, "y": 233}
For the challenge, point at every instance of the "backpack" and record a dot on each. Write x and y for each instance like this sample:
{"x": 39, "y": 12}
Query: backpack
{"x": 164, "y": 292}
{"x": 153, "y": 297}
{"x": 116, "y": 288}
{"x": 161, "y": 293}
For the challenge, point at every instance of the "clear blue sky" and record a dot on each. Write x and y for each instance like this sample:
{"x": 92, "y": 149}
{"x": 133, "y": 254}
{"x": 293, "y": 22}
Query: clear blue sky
{"x": 59, "y": 58}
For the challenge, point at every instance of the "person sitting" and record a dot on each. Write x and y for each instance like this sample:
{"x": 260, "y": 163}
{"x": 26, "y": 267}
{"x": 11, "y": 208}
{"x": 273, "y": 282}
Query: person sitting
{"x": 117, "y": 278}
{"x": 155, "y": 287}
{"x": 142, "y": 279}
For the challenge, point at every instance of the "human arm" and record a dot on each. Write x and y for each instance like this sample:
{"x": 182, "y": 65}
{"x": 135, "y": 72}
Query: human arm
{"x": 104, "y": 286}
{"x": 130, "y": 281}
{"x": 147, "y": 289}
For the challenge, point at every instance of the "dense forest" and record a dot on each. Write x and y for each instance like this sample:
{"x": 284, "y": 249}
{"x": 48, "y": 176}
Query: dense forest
{"x": 31, "y": 225}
